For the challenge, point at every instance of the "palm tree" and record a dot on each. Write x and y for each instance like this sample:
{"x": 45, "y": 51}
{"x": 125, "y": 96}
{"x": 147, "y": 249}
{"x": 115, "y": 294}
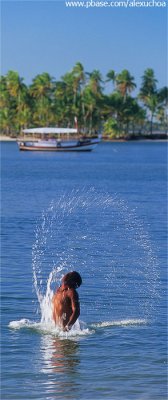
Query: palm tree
{"x": 126, "y": 113}
{"x": 133, "y": 115}
{"x": 111, "y": 77}
{"x": 49, "y": 102}
{"x": 42, "y": 91}
{"x": 6, "y": 120}
{"x": 162, "y": 108}
{"x": 70, "y": 93}
{"x": 92, "y": 97}
{"x": 149, "y": 83}
{"x": 24, "y": 116}
{"x": 113, "y": 108}
{"x": 42, "y": 113}
{"x": 89, "y": 104}
{"x": 4, "y": 98}
{"x": 163, "y": 95}
{"x": 148, "y": 94}
{"x": 59, "y": 103}
{"x": 18, "y": 94}
{"x": 152, "y": 104}
{"x": 110, "y": 128}
{"x": 95, "y": 80}
{"x": 42, "y": 85}
{"x": 78, "y": 79}
{"x": 7, "y": 108}
{"x": 125, "y": 83}
{"x": 15, "y": 85}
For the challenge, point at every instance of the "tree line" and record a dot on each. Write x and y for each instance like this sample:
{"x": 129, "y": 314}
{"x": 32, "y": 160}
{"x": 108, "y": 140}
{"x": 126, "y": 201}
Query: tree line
{"x": 81, "y": 96}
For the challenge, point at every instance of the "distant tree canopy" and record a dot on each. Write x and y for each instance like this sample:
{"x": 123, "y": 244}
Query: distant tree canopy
{"x": 81, "y": 96}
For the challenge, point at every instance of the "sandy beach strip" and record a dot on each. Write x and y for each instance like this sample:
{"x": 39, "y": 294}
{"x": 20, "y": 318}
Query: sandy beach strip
{"x": 4, "y": 138}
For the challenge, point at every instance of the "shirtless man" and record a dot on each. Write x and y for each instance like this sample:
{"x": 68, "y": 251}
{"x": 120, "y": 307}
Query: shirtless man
{"x": 66, "y": 307}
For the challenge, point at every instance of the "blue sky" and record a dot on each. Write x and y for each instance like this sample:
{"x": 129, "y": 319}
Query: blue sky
{"x": 46, "y": 36}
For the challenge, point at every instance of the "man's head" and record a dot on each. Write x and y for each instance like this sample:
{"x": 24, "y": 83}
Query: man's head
{"x": 72, "y": 279}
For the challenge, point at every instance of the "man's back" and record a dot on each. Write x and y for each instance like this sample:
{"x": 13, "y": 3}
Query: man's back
{"x": 66, "y": 307}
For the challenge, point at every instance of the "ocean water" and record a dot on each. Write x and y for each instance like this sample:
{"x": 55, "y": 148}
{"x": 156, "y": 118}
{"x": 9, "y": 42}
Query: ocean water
{"x": 103, "y": 214}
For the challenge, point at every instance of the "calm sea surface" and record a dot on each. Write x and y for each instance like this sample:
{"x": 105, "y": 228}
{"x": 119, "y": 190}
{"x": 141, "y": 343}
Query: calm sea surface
{"x": 103, "y": 214}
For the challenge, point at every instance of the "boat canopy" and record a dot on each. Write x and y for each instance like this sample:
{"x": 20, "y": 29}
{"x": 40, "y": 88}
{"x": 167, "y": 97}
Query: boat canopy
{"x": 49, "y": 131}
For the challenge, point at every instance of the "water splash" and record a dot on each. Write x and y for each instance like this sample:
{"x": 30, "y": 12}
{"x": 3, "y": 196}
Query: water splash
{"x": 103, "y": 239}
{"x": 78, "y": 329}
{"x": 124, "y": 322}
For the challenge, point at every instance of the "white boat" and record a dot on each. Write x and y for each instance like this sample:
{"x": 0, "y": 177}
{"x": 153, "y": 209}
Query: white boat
{"x": 57, "y": 139}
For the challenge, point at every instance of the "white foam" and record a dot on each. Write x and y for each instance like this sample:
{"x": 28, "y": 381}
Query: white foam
{"x": 122, "y": 322}
{"x": 77, "y": 330}
{"x": 22, "y": 323}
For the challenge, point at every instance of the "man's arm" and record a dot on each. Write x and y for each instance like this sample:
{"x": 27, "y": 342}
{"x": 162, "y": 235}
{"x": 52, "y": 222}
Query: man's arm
{"x": 75, "y": 309}
{"x": 53, "y": 309}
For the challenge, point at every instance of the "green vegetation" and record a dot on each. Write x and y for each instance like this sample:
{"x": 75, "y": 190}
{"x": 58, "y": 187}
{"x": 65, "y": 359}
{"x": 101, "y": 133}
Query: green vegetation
{"x": 82, "y": 95}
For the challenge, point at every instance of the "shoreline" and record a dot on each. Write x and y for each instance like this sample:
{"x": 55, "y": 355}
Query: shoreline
{"x": 4, "y": 138}
{"x": 7, "y": 139}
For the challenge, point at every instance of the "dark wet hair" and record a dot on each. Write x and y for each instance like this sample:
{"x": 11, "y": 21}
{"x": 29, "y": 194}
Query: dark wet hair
{"x": 72, "y": 279}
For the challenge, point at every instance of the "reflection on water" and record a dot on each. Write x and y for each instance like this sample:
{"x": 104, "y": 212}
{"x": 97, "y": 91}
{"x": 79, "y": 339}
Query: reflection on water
{"x": 61, "y": 364}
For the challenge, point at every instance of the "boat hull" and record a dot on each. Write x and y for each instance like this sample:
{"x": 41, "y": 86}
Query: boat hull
{"x": 59, "y": 147}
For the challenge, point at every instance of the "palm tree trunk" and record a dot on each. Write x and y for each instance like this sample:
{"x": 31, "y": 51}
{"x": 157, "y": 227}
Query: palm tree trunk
{"x": 151, "y": 124}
